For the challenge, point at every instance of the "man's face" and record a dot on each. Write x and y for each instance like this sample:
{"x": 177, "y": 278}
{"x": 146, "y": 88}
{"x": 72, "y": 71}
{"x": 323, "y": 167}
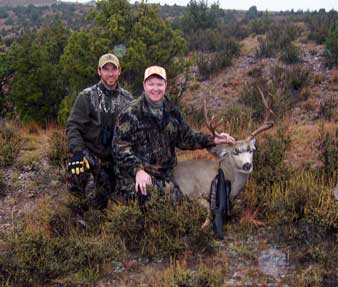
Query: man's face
{"x": 154, "y": 88}
{"x": 109, "y": 74}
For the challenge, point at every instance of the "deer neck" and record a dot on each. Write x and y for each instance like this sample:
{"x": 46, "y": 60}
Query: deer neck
{"x": 228, "y": 169}
{"x": 238, "y": 179}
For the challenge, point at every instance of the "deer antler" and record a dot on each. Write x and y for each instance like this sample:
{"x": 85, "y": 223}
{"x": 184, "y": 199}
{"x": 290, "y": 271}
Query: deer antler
{"x": 267, "y": 124}
{"x": 211, "y": 125}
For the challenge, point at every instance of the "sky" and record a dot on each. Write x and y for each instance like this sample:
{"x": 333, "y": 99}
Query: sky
{"x": 262, "y": 5}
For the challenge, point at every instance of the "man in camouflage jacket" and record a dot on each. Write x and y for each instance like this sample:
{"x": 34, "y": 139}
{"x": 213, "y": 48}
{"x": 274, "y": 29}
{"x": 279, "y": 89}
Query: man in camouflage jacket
{"x": 146, "y": 135}
{"x": 89, "y": 132}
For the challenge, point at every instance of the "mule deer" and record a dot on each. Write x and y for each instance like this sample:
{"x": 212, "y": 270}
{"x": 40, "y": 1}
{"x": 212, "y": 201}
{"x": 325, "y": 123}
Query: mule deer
{"x": 195, "y": 176}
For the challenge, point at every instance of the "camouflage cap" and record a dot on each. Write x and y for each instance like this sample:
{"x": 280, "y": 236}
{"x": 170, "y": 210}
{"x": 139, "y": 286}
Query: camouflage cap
{"x": 155, "y": 70}
{"x": 109, "y": 58}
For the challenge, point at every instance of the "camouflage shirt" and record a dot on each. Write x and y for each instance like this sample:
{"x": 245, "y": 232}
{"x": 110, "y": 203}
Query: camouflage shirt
{"x": 144, "y": 141}
{"x": 91, "y": 122}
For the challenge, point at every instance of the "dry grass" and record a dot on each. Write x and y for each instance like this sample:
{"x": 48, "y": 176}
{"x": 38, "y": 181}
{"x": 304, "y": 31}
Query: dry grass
{"x": 11, "y": 143}
{"x": 304, "y": 143}
{"x": 51, "y": 243}
{"x": 249, "y": 45}
{"x": 334, "y": 76}
{"x": 29, "y": 159}
{"x": 250, "y": 217}
{"x": 179, "y": 274}
{"x": 196, "y": 154}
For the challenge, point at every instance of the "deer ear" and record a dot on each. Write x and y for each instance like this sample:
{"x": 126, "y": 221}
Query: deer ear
{"x": 253, "y": 144}
{"x": 218, "y": 151}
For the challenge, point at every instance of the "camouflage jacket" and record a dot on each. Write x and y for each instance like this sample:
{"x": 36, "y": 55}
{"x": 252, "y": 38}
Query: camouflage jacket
{"x": 91, "y": 122}
{"x": 143, "y": 141}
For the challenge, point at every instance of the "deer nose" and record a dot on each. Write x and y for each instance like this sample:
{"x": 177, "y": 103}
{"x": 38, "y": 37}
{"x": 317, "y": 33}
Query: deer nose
{"x": 247, "y": 166}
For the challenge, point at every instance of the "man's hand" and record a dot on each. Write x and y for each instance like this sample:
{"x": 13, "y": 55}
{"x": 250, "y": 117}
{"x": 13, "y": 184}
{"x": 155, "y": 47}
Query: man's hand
{"x": 142, "y": 180}
{"x": 223, "y": 138}
{"x": 78, "y": 164}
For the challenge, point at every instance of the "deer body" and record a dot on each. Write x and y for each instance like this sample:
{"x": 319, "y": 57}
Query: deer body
{"x": 194, "y": 176}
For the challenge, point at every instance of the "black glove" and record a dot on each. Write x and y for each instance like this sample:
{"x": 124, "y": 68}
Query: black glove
{"x": 79, "y": 163}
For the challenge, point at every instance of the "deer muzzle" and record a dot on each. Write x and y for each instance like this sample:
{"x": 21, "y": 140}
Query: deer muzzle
{"x": 247, "y": 166}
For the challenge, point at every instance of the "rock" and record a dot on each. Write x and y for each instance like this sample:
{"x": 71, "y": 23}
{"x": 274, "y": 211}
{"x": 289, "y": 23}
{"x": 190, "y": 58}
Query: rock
{"x": 273, "y": 262}
{"x": 54, "y": 183}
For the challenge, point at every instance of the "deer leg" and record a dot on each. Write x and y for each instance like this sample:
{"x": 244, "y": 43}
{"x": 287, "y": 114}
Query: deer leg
{"x": 207, "y": 222}
{"x": 205, "y": 204}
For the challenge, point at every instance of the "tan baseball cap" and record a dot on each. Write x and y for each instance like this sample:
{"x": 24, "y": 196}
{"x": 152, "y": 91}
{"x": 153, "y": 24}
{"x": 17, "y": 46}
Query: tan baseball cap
{"x": 109, "y": 58}
{"x": 155, "y": 70}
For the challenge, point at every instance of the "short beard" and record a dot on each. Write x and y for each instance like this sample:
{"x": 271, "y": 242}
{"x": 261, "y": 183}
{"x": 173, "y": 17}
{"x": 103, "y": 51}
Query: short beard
{"x": 109, "y": 87}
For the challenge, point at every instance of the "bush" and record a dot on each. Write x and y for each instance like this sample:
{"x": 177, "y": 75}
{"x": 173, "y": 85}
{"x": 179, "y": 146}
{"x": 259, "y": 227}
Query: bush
{"x": 54, "y": 242}
{"x": 279, "y": 39}
{"x": 329, "y": 153}
{"x": 237, "y": 119}
{"x": 48, "y": 245}
{"x": 304, "y": 197}
{"x": 194, "y": 116}
{"x": 180, "y": 275}
{"x": 10, "y": 143}
{"x": 163, "y": 230}
{"x": 270, "y": 167}
{"x": 209, "y": 64}
{"x": 290, "y": 54}
{"x": 250, "y": 96}
{"x": 284, "y": 86}
{"x": 328, "y": 109}
{"x": 331, "y": 45}
{"x": 64, "y": 109}
{"x": 298, "y": 76}
{"x": 256, "y": 72}
{"x": 320, "y": 23}
{"x": 265, "y": 48}
{"x": 58, "y": 149}
{"x": 260, "y": 25}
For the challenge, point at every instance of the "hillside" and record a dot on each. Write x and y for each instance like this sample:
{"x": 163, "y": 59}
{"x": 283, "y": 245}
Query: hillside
{"x": 246, "y": 258}
{"x": 283, "y": 231}
{"x": 13, "y": 3}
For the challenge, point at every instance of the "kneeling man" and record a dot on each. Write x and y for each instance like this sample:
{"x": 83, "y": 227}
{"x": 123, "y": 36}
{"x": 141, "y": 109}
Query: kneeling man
{"x": 146, "y": 135}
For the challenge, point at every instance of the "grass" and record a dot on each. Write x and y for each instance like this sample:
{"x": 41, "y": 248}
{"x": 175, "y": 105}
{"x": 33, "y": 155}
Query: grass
{"x": 57, "y": 151}
{"x": 50, "y": 243}
{"x": 179, "y": 274}
{"x": 303, "y": 197}
{"x": 10, "y": 143}
{"x": 30, "y": 158}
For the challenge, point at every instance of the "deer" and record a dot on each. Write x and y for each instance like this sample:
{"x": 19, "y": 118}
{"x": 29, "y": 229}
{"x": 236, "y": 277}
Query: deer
{"x": 194, "y": 177}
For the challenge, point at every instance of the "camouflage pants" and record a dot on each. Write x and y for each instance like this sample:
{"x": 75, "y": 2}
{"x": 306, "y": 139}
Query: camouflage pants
{"x": 125, "y": 189}
{"x": 93, "y": 187}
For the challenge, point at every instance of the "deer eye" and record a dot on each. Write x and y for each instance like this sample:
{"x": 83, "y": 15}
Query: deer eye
{"x": 236, "y": 151}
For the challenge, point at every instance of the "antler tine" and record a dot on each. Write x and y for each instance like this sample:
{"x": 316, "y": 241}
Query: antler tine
{"x": 266, "y": 124}
{"x": 210, "y": 123}
{"x": 268, "y": 110}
